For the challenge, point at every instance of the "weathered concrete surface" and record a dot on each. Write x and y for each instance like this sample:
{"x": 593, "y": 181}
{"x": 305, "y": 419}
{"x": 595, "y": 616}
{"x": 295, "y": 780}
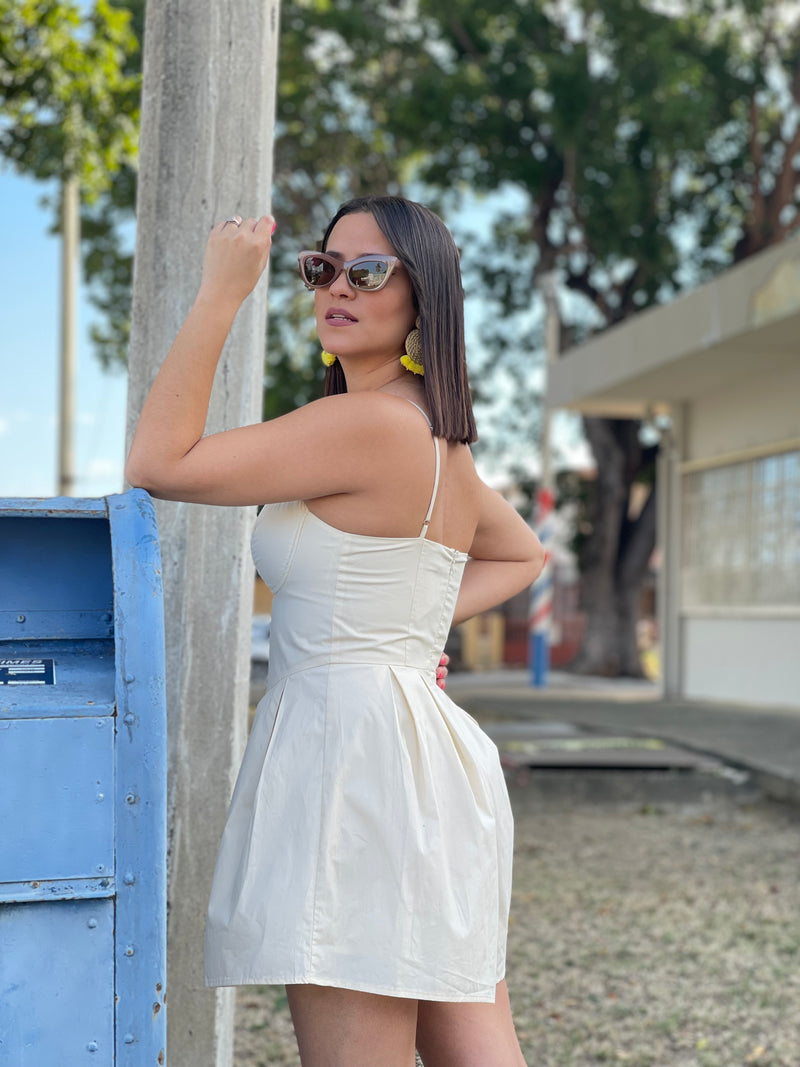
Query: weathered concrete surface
{"x": 207, "y": 124}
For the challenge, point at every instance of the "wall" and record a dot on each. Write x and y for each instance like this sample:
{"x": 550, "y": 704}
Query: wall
{"x": 746, "y": 655}
{"x": 744, "y": 660}
{"x": 748, "y": 411}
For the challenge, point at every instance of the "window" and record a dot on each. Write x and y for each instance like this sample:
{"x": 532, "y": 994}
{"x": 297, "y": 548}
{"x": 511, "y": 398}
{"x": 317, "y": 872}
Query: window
{"x": 741, "y": 539}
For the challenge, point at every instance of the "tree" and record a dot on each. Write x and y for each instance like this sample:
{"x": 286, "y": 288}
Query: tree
{"x": 645, "y": 152}
{"x": 68, "y": 104}
{"x": 617, "y": 125}
{"x": 69, "y": 101}
{"x": 329, "y": 147}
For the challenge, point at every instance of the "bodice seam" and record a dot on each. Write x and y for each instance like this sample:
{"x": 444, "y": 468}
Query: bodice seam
{"x": 334, "y": 662}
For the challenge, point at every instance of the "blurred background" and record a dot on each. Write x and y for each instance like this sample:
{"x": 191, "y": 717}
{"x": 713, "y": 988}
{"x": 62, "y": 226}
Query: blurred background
{"x": 596, "y": 162}
{"x": 623, "y": 181}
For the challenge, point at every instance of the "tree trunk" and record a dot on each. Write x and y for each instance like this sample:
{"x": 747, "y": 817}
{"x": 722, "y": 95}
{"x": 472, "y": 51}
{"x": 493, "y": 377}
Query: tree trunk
{"x": 616, "y": 554}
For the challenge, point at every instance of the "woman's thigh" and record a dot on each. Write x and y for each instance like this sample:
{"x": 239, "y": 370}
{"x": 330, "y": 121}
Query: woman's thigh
{"x": 468, "y": 1035}
{"x": 346, "y": 1028}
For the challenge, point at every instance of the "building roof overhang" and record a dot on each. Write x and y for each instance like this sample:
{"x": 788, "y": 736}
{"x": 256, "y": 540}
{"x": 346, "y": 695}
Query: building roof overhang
{"x": 747, "y": 319}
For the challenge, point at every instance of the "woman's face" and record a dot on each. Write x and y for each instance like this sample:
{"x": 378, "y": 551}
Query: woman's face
{"x": 352, "y": 322}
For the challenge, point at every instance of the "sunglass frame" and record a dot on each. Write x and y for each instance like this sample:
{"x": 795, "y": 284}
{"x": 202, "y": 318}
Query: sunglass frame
{"x": 346, "y": 265}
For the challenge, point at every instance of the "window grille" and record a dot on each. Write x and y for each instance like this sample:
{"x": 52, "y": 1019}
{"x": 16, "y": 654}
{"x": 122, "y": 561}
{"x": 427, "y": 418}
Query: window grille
{"x": 741, "y": 534}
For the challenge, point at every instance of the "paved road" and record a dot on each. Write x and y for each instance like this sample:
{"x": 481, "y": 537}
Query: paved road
{"x": 765, "y": 741}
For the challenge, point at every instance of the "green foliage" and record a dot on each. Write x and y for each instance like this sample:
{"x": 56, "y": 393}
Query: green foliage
{"x": 744, "y": 194}
{"x": 330, "y": 145}
{"x": 632, "y": 151}
{"x": 588, "y": 113}
{"x": 69, "y": 106}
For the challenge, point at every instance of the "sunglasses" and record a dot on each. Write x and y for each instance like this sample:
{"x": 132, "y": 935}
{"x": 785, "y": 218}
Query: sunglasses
{"x": 369, "y": 273}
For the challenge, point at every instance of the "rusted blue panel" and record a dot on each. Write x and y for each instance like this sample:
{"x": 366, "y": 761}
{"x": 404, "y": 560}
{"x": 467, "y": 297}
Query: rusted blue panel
{"x": 82, "y": 784}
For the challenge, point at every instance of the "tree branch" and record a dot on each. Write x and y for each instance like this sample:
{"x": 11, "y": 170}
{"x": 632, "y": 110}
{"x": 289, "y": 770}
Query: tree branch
{"x": 581, "y": 284}
{"x": 468, "y": 46}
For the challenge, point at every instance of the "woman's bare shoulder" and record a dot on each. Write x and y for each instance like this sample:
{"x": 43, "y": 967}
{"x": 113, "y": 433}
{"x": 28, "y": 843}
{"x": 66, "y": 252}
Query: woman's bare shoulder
{"x": 372, "y": 407}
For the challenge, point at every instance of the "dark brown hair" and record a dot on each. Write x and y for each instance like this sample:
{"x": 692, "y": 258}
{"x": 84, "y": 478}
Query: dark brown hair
{"x": 428, "y": 252}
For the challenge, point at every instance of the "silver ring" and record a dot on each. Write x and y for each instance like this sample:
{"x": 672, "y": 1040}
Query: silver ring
{"x": 235, "y": 218}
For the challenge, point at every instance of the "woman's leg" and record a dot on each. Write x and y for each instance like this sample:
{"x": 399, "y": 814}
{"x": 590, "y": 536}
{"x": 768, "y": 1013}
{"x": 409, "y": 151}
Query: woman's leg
{"x": 345, "y": 1028}
{"x": 468, "y": 1035}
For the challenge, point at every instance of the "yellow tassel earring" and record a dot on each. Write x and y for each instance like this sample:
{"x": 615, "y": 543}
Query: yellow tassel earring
{"x": 328, "y": 358}
{"x": 412, "y": 360}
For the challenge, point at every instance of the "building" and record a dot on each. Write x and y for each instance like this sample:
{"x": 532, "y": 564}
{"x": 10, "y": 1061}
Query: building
{"x": 723, "y": 362}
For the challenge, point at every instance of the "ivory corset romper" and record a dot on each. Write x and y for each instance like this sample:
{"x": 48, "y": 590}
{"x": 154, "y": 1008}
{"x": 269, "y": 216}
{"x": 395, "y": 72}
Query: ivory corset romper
{"x": 369, "y": 839}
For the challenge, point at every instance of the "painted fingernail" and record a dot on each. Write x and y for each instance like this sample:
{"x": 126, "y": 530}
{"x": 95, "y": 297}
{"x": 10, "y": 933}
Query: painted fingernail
{"x": 273, "y": 226}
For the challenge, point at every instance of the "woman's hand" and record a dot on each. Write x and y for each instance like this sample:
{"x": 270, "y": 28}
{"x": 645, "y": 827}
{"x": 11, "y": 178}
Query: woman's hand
{"x": 235, "y": 259}
{"x": 441, "y": 670}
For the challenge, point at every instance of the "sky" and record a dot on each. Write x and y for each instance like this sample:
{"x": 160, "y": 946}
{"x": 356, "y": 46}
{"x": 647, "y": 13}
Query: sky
{"x": 29, "y": 348}
{"x": 30, "y": 261}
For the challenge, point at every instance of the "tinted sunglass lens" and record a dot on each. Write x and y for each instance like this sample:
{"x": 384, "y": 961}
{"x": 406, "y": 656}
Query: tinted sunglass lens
{"x": 317, "y": 271}
{"x": 368, "y": 274}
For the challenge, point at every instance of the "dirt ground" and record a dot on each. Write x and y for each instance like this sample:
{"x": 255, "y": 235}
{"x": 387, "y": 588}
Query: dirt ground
{"x": 650, "y": 926}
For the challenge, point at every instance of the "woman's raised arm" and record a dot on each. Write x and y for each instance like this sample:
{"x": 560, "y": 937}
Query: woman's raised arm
{"x": 329, "y": 446}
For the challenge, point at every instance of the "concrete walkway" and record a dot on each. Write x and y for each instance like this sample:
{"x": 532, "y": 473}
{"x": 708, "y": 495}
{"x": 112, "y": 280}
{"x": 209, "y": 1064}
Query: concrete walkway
{"x": 764, "y": 741}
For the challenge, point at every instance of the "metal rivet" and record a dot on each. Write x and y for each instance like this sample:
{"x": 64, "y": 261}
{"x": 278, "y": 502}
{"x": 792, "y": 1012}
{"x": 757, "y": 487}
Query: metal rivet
{"x": 20, "y": 618}
{"x": 100, "y": 868}
{"x": 131, "y": 798}
{"x": 129, "y": 950}
{"x": 129, "y": 719}
{"x": 128, "y": 1039}
{"x": 130, "y": 678}
{"x": 100, "y": 796}
{"x": 92, "y": 1046}
{"x": 129, "y": 878}
{"x": 92, "y": 924}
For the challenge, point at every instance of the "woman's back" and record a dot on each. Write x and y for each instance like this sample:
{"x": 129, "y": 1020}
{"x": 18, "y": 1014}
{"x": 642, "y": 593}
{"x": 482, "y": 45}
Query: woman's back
{"x": 395, "y": 504}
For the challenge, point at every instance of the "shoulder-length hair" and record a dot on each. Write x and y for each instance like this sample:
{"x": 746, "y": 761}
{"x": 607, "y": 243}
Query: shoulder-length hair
{"x": 427, "y": 250}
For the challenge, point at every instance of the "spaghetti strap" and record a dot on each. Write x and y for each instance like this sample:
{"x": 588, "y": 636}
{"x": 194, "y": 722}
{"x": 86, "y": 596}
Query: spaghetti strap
{"x": 426, "y": 523}
{"x": 422, "y": 412}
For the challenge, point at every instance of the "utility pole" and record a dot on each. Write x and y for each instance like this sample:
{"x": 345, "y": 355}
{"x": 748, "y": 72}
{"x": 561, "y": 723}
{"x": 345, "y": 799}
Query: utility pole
{"x": 70, "y": 239}
{"x": 208, "y": 103}
{"x": 552, "y": 332}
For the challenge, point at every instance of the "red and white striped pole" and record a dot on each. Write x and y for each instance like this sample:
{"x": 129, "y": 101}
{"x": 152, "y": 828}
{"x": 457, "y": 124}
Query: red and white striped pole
{"x": 541, "y": 610}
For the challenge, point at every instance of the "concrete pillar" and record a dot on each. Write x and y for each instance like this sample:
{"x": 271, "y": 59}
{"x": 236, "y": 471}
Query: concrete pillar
{"x": 206, "y": 152}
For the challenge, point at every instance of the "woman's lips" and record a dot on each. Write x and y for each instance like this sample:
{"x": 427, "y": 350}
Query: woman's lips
{"x": 339, "y": 317}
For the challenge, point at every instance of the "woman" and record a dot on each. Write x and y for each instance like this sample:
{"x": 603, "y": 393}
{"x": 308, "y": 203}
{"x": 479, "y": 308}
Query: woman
{"x": 366, "y": 858}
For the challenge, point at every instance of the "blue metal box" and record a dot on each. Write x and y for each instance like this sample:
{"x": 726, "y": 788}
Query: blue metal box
{"x": 82, "y": 784}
